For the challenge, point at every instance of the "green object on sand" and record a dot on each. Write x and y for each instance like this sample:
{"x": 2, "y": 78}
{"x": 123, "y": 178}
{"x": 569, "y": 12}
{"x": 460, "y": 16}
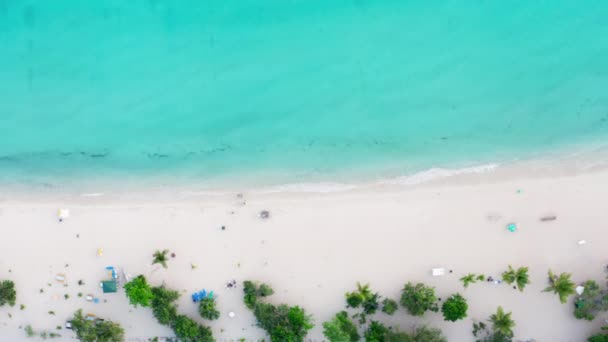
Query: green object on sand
{"x": 109, "y": 286}
{"x": 512, "y": 227}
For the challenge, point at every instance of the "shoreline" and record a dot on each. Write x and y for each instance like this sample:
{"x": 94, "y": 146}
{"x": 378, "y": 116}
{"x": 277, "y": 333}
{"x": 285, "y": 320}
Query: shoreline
{"x": 311, "y": 250}
{"x": 164, "y": 190}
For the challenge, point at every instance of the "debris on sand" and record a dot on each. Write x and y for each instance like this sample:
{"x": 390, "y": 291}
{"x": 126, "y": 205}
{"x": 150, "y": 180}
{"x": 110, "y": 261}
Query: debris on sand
{"x": 547, "y": 218}
{"x": 264, "y": 214}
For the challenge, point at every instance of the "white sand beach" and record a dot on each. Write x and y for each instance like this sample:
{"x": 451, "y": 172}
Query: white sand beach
{"x": 312, "y": 250}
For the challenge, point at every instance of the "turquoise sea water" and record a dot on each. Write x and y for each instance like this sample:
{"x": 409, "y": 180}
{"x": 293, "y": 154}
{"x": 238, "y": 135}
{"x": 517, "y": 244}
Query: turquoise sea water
{"x": 294, "y": 88}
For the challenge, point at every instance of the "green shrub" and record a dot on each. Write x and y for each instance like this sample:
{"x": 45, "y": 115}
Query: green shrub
{"x": 363, "y": 297}
{"x": 341, "y": 329}
{"x": 162, "y": 305}
{"x": 207, "y": 309}
{"x": 592, "y": 301}
{"x": 418, "y": 299}
{"x": 186, "y": 329}
{"x": 376, "y": 332}
{"x": 389, "y": 306}
{"x": 283, "y": 323}
{"x": 29, "y": 331}
{"x": 138, "y": 291}
{"x": 8, "y": 294}
{"x": 454, "y": 308}
{"x": 599, "y": 337}
{"x": 96, "y": 330}
{"x": 252, "y": 291}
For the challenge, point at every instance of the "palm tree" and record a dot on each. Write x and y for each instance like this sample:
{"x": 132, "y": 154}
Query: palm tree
{"x": 562, "y": 286}
{"x": 519, "y": 277}
{"x": 160, "y": 257}
{"x": 468, "y": 280}
{"x": 502, "y": 323}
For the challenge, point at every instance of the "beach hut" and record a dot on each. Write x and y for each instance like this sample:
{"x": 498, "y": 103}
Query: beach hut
{"x": 108, "y": 286}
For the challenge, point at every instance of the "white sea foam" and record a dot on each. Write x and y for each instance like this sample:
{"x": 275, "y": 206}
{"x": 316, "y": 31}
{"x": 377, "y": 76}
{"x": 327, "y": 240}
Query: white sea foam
{"x": 407, "y": 180}
{"x": 94, "y": 194}
{"x": 437, "y": 173}
{"x": 322, "y": 187}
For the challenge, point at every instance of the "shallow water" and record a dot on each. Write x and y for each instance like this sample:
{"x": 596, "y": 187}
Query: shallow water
{"x": 294, "y": 90}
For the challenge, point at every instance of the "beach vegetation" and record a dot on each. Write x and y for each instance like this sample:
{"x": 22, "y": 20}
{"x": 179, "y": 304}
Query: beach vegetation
{"x": 389, "y": 306}
{"x": 96, "y": 330}
{"x": 561, "y": 285}
{"x": 139, "y": 291}
{"x": 378, "y": 332}
{"x": 454, "y": 308}
{"x": 341, "y": 329}
{"x": 418, "y": 298}
{"x": 253, "y": 290}
{"x": 283, "y": 322}
{"x": 8, "y": 294}
{"x": 187, "y": 329}
{"x": 592, "y": 301}
{"x": 424, "y": 333}
{"x": 160, "y": 257}
{"x": 162, "y": 305}
{"x": 29, "y": 331}
{"x": 483, "y": 333}
{"x": 518, "y": 276}
{"x": 207, "y": 309}
{"x": 500, "y": 328}
{"x": 471, "y": 278}
{"x": 502, "y": 323}
{"x": 363, "y": 297}
{"x": 599, "y": 337}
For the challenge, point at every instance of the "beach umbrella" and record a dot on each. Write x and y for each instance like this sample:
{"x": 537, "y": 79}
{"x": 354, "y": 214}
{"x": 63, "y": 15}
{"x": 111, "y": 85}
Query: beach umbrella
{"x": 512, "y": 227}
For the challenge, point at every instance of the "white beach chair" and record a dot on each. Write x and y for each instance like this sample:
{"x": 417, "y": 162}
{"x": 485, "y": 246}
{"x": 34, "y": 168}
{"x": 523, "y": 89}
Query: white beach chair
{"x": 437, "y": 272}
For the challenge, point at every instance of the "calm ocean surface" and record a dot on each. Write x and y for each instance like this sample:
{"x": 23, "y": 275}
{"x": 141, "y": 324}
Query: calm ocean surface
{"x": 294, "y": 90}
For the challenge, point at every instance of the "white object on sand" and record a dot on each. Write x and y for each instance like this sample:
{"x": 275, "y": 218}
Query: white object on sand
{"x": 436, "y": 272}
{"x": 63, "y": 214}
{"x": 580, "y": 290}
{"x": 231, "y": 314}
{"x": 582, "y": 242}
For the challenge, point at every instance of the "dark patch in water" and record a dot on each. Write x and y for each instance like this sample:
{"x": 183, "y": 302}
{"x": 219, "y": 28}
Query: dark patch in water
{"x": 29, "y": 16}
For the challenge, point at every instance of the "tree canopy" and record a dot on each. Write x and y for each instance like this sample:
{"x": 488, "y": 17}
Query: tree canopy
{"x": 520, "y": 277}
{"x": 139, "y": 292}
{"x": 341, "y": 329}
{"x": 282, "y": 322}
{"x": 8, "y": 294}
{"x": 207, "y": 309}
{"x": 454, "y": 308}
{"x": 419, "y": 298}
{"x": 160, "y": 257}
{"x": 162, "y": 305}
{"x": 363, "y": 297}
{"x": 253, "y": 290}
{"x": 96, "y": 330}
{"x": 561, "y": 285}
{"x": 186, "y": 329}
{"x": 592, "y": 301}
